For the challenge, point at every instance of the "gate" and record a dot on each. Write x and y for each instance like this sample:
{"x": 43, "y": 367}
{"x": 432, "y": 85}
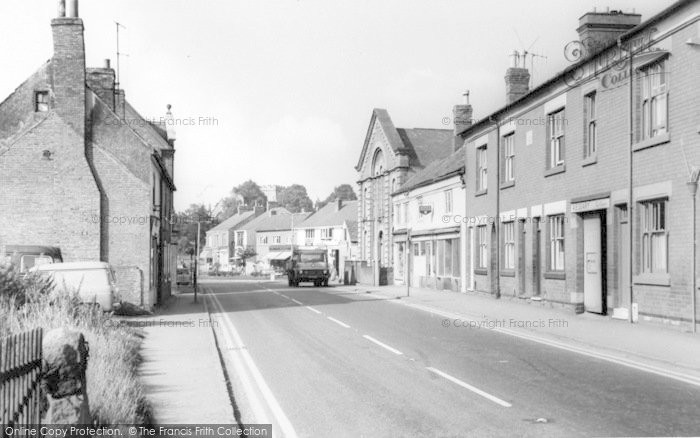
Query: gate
{"x": 20, "y": 379}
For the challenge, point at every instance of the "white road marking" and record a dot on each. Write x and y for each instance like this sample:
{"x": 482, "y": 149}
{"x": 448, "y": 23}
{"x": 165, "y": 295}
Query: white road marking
{"x": 298, "y": 302}
{"x": 473, "y": 389}
{"x": 313, "y": 310}
{"x": 681, "y": 377}
{"x": 284, "y": 424}
{"x": 383, "y": 345}
{"x": 340, "y": 323}
{"x": 239, "y": 368}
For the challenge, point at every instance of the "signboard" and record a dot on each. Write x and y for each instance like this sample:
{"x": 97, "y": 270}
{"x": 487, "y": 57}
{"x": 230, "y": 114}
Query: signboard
{"x": 595, "y": 204}
{"x": 425, "y": 209}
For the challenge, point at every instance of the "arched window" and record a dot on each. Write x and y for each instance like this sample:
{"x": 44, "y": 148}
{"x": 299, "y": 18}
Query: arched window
{"x": 378, "y": 165}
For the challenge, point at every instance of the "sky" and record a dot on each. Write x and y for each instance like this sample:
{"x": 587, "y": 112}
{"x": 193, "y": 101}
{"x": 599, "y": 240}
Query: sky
{"x": 282, "y": 91}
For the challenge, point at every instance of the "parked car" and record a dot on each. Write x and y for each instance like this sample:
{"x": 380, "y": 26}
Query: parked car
{"x": 94, "y": 281}
{"x": 309, "y": 265}
{"x": 184, "y": 276}
{"x": 25, "y": 257}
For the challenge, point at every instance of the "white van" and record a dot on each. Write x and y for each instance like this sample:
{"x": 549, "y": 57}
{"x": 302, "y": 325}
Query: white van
{"x": 94, "y": 281}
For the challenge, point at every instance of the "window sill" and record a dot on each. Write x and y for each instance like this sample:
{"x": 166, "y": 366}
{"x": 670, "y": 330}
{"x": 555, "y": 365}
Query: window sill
{"x": 480, "y": 271}
{"x": 555, "y": 170}
{"x": 591, "y": 159}
{"x": 507, "y": 184}
{"x": 481, "y": 192}
{"x": 554, "y": 275}
{"x": 653, "y": 279}
{"x": 651, "y": 142}
{"x": 508, "y": 273}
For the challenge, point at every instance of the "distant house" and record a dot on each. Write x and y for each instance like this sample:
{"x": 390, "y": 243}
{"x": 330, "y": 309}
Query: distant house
{"x": 258, "y": 236}
{"x": 81, "y": 170}
{"x": 334, "y": 228}
{"x": 218, "y": 251}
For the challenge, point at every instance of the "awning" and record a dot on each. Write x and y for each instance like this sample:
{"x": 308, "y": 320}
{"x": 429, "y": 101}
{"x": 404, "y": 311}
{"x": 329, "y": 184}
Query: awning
{"x": 283, "y": 255}
{"x": 205, "y": 254}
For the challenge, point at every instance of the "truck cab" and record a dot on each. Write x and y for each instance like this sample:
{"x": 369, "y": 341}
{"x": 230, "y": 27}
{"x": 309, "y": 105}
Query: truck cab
{"x": 308, "y": 265}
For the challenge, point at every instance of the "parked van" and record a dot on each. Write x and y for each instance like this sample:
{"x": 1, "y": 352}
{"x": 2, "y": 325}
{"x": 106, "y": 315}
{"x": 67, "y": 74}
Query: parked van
{"x": 94, "y": 281}
{"x": 25, "y": 257}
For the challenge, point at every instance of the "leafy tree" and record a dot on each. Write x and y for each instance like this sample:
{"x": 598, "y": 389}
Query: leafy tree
{"x": 295, "y": 199}
{"x": 250, "y": 192}
{"x": 186, "y": 223}
{"x": 343, "y": 191}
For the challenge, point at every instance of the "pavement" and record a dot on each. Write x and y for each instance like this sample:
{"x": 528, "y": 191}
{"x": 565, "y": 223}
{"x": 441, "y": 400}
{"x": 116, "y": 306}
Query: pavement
{"x": 650, "y": 344}
{"x": 357, "y": 361}
{"x": 182, "y": 374}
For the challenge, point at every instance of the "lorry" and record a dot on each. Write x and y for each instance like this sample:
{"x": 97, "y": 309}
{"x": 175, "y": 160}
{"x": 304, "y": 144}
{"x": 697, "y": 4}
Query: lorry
{"x": 308, "y": 265}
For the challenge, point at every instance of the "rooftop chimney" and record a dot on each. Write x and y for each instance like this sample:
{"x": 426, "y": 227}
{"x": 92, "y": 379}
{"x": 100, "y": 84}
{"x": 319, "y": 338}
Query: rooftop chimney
{"x": 101, "y": 81}
{"x": 338, "y": 204}
{"x": 462, "y": 117}
{"x": 68, "y": 65}
{"x": 597, "y": 30}
{"x": 517, "y": 79}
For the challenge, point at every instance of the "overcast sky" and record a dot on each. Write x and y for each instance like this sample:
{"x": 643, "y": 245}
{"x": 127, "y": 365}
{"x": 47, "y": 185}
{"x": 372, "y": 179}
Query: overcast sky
{"x": 292, "y": 83}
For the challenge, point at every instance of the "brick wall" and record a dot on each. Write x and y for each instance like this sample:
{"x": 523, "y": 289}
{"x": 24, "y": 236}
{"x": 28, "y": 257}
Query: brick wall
{"x": 662, "y": 164}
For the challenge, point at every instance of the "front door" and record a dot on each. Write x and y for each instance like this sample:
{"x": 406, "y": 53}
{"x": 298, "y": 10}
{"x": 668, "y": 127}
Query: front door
{"x": 521, "y": 257}
{"x": 592, "y": 264}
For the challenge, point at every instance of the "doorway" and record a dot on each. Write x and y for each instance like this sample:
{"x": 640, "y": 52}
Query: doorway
{"x": 536, "y": 257}
{"x": 594, "y": 262}
{"x": 521, "y": 257}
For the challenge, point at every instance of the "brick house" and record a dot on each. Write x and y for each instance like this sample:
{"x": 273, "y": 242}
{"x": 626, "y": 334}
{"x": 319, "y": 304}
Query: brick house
{"x": 389, "y": 156}
{"x": 81, "y": 170}
{"x": 548, "y": 175}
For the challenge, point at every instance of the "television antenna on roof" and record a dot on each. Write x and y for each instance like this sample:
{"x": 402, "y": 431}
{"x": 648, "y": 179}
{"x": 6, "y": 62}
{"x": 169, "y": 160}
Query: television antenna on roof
{"x": 119, "y": 54}
{"x": 523, "y": 54}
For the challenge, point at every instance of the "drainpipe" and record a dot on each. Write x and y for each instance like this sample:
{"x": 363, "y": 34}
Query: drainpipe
{"x": 693, "y": 189}
{"x": 630, "y": 202}
{"x": 498, "y": 208}
{"x": 407, "y": 272}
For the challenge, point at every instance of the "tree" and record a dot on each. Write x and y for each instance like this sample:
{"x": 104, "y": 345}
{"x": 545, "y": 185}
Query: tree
{"x": 250, "y": 192}
{"x": 186, "y": 223}
{"x": 295, "y": 199}
{"x": 343, "y": 191}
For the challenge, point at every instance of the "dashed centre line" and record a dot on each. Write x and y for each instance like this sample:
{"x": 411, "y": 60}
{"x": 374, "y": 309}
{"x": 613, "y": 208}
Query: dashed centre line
{"x": 383, "y": 345}
{"x": 340, "y": 323}
{"x": 473, "y": 389}
{"x": 313, "y": 310}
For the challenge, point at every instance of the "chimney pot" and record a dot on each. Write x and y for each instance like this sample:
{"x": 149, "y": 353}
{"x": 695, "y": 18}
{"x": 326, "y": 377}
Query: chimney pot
{"x": 61, "y": 8}
{"x": 339, "y": 204}
{"x": 108, "y": 63}
{"x": 73, "y": 9}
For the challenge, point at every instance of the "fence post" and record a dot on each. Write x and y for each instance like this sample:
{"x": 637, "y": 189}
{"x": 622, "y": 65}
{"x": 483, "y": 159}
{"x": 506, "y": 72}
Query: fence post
{"x": 64, "y": 382}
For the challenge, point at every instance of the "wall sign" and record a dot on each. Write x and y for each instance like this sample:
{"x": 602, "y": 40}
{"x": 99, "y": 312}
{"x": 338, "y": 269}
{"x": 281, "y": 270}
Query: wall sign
{"x": 425, "y": 209}
{"x": 595, "y": 204}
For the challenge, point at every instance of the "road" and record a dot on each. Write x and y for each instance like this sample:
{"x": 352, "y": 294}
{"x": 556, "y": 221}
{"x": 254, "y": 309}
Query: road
{"x": 324, "y": 362}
